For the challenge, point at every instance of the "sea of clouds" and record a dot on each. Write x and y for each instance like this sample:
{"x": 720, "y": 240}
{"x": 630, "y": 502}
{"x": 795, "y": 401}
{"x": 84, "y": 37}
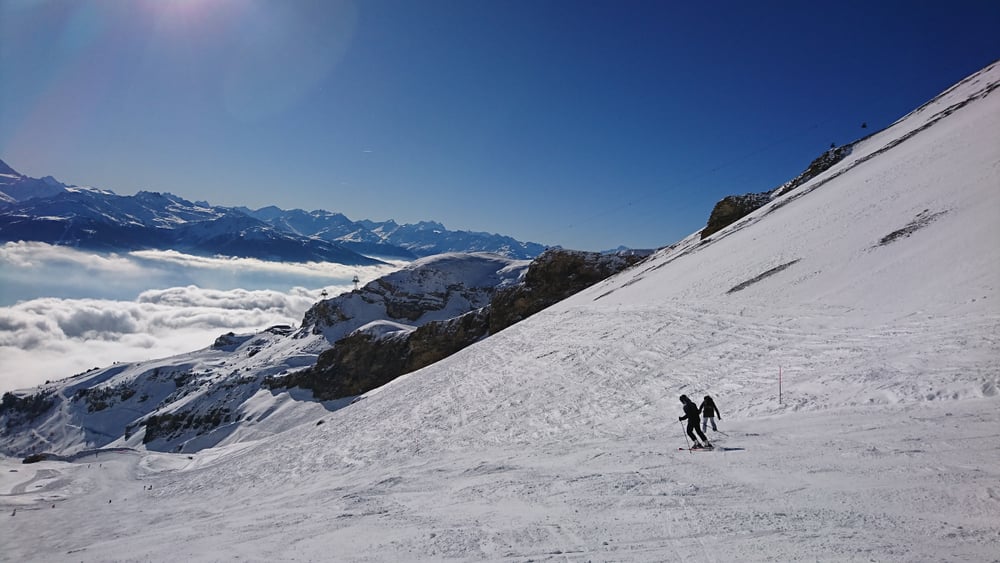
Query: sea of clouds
{"x": 64, "y": 311}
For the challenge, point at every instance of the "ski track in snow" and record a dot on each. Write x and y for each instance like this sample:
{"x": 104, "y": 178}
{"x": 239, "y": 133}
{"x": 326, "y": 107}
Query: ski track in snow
{"x": 635, "y": 499}
{"x": 493, "y": 470}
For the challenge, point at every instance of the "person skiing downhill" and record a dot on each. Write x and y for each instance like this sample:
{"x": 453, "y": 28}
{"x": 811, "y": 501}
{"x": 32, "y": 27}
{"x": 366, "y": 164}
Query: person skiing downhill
{"x": 708, "y": 412}
{"x": 691, "y": 415}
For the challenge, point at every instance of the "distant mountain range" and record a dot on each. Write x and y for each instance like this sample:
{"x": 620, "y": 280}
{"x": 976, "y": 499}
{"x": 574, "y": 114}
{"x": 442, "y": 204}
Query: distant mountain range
{"x": 46, "y": 210}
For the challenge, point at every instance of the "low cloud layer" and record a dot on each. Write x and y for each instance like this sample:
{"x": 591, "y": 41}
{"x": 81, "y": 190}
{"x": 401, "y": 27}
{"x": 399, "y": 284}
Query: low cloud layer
{"x": 74, "y": 310}
{"x": 50, "y": 338}
{"x": 32, "y": 270}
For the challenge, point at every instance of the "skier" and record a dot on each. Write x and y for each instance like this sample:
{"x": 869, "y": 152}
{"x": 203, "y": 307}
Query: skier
{"x": 691, "y": 415}
{"x": 708, "y": 412}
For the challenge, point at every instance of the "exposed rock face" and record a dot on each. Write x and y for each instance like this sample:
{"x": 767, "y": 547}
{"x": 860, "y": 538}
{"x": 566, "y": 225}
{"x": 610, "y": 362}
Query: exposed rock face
{"x": 436, "y": 341}
{"x": 24, "y": 409}
{"x": 821, "y": 164}
{"x": 431, "y": 289}
{"x": 170, "y": 424}
{"x": 367, "y": 359}
{"x": 733, "y": 208}
{"x": 328, "y": 312}
{"x": 363, "y": 361}
{"x": 552, "y": 277}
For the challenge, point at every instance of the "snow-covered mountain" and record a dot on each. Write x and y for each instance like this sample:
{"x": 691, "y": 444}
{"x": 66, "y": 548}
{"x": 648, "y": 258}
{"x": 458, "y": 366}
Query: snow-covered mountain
{"x": 46, "y": 210}
{"x": 345, "y": 345}
{"x": 390, "y": 239}
{"x": 16, "y": 187}
{"x": 196, "y": 400}
{"x": 847, "y": 330}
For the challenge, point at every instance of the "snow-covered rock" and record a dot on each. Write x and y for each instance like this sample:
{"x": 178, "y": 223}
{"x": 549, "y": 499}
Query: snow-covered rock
{"x": 377, "y": 353}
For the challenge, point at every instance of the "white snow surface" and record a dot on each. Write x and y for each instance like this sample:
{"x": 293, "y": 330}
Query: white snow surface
{"x": 557, "y": 439}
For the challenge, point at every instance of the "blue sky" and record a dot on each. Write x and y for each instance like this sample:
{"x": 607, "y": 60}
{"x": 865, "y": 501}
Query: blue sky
{"x": 586, "y": 124}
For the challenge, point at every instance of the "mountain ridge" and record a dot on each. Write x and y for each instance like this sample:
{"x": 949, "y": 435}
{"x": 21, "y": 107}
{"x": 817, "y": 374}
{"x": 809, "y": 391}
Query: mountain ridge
{"x": 46, "y": 210}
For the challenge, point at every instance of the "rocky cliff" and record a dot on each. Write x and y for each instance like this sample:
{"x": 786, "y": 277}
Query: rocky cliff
{"x": 733, "y": 208}
{"x": 374, "y": 355}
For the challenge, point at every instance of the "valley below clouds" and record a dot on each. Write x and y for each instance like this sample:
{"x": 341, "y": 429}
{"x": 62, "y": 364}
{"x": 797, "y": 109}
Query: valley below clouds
{"x": 64, "y": 311}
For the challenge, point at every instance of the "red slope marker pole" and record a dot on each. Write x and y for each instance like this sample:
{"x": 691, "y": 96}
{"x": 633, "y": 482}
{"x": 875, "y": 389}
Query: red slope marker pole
{"x": 779, "y": 385}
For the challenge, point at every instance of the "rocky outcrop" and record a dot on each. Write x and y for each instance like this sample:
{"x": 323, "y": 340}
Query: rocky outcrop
{"x": 554, "y": 276}
{"x": 819, "y": 165}
{"x": 731, "y": 209}
{"x": 23, "y": 409}
{"x": 367, "y": 359}
{"x": 735, "y": 207}
{"x": 364, "y": 360}
{"x": 430, "y": 289}
{"x": 170, "y": 425}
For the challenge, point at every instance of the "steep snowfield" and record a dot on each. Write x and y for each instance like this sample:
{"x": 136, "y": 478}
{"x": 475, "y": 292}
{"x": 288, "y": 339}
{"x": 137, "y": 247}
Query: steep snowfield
{"x": 872, "y": 288}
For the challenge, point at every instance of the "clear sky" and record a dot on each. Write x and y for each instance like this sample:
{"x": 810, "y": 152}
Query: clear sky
{"x": 587, "y": 124}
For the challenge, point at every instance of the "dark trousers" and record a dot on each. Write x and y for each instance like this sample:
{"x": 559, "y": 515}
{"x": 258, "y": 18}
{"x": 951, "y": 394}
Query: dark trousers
{"x": 693, "y": 427}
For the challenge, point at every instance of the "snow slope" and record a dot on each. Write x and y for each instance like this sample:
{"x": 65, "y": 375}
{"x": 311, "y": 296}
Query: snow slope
{"x": 214, "y": 397}
{"x": 872, "y": 288}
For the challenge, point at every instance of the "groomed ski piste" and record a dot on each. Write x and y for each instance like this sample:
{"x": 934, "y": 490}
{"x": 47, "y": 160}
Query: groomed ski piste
{"x": 557, "y": 439}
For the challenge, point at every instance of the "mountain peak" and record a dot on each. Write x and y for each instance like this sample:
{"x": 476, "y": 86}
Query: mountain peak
{"x": 6, "y": 169}
{"x": 429, "y": 226}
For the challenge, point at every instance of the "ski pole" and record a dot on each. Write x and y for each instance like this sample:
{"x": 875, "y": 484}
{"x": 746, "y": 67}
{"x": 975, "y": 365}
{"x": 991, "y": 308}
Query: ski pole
{"x": 686, "y": 441}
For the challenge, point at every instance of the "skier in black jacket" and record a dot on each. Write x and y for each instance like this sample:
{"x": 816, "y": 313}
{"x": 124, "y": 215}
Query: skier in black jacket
{"x": 708, "y": 412}
{"x": 691, "y": 415}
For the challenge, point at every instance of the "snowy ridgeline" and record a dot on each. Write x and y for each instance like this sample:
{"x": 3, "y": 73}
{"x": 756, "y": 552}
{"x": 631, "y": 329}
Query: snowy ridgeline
{"x": 871, "y": 289}
{"x": 46, "y": 210}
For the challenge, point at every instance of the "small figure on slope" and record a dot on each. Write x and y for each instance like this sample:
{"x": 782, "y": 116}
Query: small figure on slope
{"x": 691, "y": 415}
{"x": 708, "y": 412}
